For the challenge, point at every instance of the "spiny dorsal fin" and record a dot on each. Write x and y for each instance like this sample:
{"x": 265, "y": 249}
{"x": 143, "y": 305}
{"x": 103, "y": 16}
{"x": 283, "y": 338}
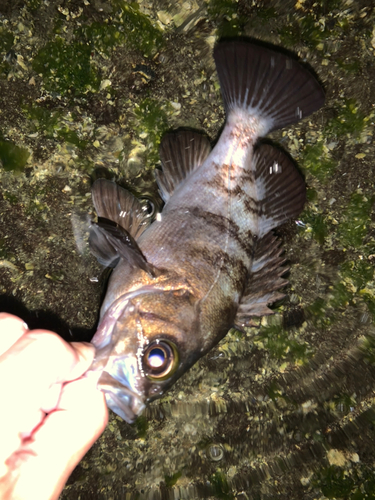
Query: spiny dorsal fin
{"x": 109, "y": 242}
{"x": 181, "y": 153}
{"x": 116, "y": 204}
{"x": 270, "y": 85}
{"x": 280, "y": 187}
{"x": 264, "y": 282}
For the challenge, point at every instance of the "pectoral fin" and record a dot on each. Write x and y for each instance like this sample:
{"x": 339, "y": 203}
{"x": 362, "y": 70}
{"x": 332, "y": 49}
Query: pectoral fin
{"x": 118, "y": 205}
{"x": 109, "y": 242}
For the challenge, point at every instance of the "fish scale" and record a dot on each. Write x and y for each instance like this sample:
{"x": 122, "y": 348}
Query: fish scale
{"x": 209, "y": 261}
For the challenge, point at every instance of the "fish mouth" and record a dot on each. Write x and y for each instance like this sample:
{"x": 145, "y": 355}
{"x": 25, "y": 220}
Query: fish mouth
{"x": 120, "y": 399}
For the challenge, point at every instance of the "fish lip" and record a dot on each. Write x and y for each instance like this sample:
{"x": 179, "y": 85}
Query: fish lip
{"x": 120, "y": 399}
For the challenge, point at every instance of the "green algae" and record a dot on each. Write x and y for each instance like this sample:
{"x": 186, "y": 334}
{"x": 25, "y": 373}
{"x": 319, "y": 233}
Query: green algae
{"x": 265, "y": 14}
{"x": 226, "y": 16}
{"x": 309, "y": 27}
{"x": 342, "y": 296}
{"x": 150, "y": 125}
{"x": 334, "y": 482}
{"x": 312, "y": 33}
{"x": 316, "y": 159}
{"x": 317, "y": 223}
{"x": 220, "y": 486}
{"x": 104, "y": 37}
{"x": 42, "y": 119}
{"x": 6, "y": 43}
{"x": 73, "y": 138}
{"x": 307, "y": 31}
{"x": 172, "y": 480}
{"x": 317, "y": 313}
{"x": 368, "y": 349}
{"x": 353, "y": 225}
{"x": 4, "y": 250}
{"x": 353, "y": 67}
{"x": 350, "y": 120}
{"x": 66, "y": 67}
{"x": 33, "y": 5}
{"x": 354, "y": 221}
{"x": 12, "y": 157}
{"x": 360, "y": 272}
{"x": 281, "y": 344}
{"x": 53, "y": 125}
{"x": 353, "y": 286}
{"x": 141, "y": 424}
{"x": 10, "y": 197}
{"x": 311, "y": 194}
{"x": 129, "y": 26}
{"x": 138, "y": 30}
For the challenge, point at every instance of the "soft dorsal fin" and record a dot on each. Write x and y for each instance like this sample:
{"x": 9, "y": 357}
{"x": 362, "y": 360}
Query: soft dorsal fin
{"x": 181, "y": 153}
{"x": 109, "y": 242}
{"x": 264, "y": 282}
{"x": 118, "y": 205}
{"x": 270, "y": 85}
{"x": 281, "y": 190}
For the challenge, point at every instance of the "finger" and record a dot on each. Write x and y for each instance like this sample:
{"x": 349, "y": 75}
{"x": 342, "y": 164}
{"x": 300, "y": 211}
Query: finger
{"x": 67, "y": 433}
{"x": 34, "y": 369}
{"x": 11, "y": 329}
{"x": 41, "y": 358}
{"x": 85, "y": 352}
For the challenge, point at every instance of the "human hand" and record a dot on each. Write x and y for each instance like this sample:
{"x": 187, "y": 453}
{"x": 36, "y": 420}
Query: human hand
{"x": 50, "y": 414}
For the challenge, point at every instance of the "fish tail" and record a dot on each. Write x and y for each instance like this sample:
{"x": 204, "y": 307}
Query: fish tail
{"x": 267, "y": 84}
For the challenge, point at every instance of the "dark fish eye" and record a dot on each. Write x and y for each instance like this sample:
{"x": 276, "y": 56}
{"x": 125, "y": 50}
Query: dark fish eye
{"x": 149, "y": 207}
{"x": 160, "y": 360}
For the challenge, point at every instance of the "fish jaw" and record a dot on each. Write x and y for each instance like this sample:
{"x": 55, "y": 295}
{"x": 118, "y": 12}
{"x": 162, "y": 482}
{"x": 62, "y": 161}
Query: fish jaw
{"x": 118, "y": 387}
{"x": 121, "y": 378}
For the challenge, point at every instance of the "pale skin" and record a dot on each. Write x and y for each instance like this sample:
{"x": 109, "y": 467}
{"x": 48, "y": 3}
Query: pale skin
{"x": 50, "y": 413}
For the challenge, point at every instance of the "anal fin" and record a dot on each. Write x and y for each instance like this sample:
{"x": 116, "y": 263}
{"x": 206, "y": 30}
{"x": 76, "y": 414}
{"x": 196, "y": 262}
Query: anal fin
{"x": 264, "y": 282}
{"x": 281, "y": 188}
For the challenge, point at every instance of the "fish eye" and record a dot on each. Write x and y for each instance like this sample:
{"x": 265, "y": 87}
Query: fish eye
{"x": 160, "y": 360}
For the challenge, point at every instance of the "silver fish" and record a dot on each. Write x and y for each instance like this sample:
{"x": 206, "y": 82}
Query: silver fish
{"x": 210, "y": 260}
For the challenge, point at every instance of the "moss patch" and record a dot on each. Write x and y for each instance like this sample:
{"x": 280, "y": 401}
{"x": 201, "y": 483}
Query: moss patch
{"x": 13, "y": 157}
{"x": 354, "y": 223}
{"x": 66, "y": 67}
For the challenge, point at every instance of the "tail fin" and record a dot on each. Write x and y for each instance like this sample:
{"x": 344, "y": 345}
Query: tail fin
{"x": 267, "y": 83}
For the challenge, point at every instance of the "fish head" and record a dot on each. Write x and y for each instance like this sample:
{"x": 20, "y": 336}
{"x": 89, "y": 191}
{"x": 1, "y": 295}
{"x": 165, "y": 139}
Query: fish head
{"x": 143, "y": 345}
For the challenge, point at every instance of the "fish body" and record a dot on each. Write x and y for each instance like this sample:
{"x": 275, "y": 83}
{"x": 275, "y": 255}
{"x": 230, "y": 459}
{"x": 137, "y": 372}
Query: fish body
{"x": 210, "y": 260}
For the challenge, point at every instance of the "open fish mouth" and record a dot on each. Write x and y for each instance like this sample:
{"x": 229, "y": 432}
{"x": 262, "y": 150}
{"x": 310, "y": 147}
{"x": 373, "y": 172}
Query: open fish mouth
{"x": 120, "y": 399}
{"x": 119, "y": 378}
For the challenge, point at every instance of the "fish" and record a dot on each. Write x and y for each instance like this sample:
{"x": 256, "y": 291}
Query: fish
{"x": 210, "y": 260}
